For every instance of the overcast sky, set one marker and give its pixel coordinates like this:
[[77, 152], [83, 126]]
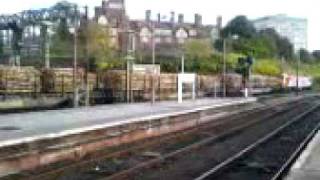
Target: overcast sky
[[208, 8]]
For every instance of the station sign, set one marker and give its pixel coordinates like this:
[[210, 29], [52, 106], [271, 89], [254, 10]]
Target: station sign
[[146, 69]]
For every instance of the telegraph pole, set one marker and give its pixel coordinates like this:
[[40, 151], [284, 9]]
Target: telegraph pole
[[87, 98], [298, 69], [182, 63], [153, 63], [75, 63], [47, 58], [224, 67]]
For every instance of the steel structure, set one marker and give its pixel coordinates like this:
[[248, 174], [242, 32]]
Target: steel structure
[[16, 24]]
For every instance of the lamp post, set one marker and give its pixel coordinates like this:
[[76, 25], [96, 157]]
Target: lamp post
[[87, 98], [234, 37], [46, 35], [75, 59], [297, 71], [129, 59], [182, 63], [153, 99], [224, 67]]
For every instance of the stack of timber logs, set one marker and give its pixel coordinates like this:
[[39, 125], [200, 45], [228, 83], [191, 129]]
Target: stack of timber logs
[[19, 80], [60, 80]]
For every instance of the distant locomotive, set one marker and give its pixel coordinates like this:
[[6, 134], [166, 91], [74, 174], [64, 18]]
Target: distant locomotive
[[292, 82], [258, 84]]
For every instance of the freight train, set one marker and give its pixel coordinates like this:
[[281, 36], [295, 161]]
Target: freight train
[[292, 82], [259, 84]]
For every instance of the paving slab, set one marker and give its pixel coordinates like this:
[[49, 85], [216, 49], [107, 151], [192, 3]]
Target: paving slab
[[28, 127], [307, 167]]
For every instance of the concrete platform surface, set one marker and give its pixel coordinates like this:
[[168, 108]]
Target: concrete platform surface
[[29, 127], [307, 167]]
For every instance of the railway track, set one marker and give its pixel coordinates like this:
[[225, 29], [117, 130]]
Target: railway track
[[157, 168], [270, 157], [205, 134]]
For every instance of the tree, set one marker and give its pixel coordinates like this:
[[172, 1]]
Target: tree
[[1, 47], [305, 56], [100, 47], [239, 26], [250, 42], [257, 46], [63, 30], [198, 49], [316, 54], [62, 40], [283, 47]]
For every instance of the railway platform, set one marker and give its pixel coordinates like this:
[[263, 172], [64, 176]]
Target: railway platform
[[28, 127], [307, 167], [30, 140]]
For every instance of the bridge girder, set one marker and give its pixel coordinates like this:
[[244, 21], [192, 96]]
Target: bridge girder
[[19, 21]]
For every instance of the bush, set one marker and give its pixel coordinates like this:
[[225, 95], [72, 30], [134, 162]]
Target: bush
[[268, 67], [316, 83]]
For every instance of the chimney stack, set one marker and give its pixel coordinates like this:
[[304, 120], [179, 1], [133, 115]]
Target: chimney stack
[[219, 22], [172, 20], [104, 3], [159, 17], [148, 15], [198, 20], [181, 19]]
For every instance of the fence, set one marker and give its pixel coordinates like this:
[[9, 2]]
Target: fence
[[140, 86], [117, 86]]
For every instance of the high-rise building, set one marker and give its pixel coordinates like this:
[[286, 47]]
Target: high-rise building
[[295, 29]]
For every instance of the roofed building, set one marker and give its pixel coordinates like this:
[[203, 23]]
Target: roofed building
[[112, 14], [168, 35]]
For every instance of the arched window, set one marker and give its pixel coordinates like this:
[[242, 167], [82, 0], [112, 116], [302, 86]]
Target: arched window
[[145, 35], [181, 35], [103, 20]]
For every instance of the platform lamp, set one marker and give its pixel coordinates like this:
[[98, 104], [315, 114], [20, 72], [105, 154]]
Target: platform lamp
[[47, 33], [130, 59], [74, 30], [298, 70], [225, 41]]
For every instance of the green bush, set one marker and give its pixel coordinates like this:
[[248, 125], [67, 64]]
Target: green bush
[[316, 83], [268, 67]]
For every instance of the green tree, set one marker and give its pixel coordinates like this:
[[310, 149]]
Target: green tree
[[283, 46], [257, 47], [239, 26], [62, 40], [100, 48], [264, 44], [198, 49], [63, 30], [316, 54], [1, 47], [248, 41], [305, 55]]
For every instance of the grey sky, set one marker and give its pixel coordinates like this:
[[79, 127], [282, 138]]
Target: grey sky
[[208, 8]]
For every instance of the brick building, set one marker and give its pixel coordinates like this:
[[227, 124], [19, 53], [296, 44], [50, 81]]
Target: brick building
[[112, 14], [169, 35]]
